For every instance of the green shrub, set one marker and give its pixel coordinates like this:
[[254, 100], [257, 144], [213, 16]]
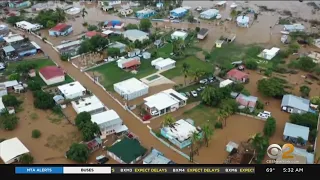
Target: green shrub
[[218, 125], [36, 133], [310, 149]]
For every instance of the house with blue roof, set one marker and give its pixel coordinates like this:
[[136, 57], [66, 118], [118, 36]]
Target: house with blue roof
[[209, 14], [145, 13], [295, 104], [156, 157], [294, 27], [292, 132], [178, 12]]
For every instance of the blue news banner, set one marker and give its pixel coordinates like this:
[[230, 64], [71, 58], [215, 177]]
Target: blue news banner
[[62, 170]]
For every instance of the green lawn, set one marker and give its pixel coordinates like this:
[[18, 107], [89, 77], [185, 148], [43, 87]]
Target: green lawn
[[201, 114], [112, 73], [40, 63], [193, 62], [165, 51]]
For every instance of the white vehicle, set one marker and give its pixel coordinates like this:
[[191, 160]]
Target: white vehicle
[[203, 81], [194, 93], [154, 113], [264, 114]]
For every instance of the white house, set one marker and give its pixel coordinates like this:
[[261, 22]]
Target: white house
[[72, 90], [209, 14], [3, 90], [124, 63], [179, 35], [12, 38], [135, 34], [109, 122], [131, 88], [90, 104], [164, 102], [268, 54], [225, 83], [28, 26], [52, 75], [156, 157], [11, 150], [163, 64]]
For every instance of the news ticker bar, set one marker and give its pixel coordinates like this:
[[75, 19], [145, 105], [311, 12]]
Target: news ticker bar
[[134, 170]]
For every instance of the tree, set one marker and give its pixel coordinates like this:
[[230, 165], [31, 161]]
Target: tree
[[43, 100], [271, 87], [207, 133], [112, 52], [238, 87], [306, 64], [9, 121], [78, 153], [60, 14], [305, 90], [251, 64], [10, 100], [50, 17], [300, 140], [207, 95], [185, 71], [223, 115], [98, 43], [89, 131], [83, 12], [197, 29], [256, 141], [245, 92], [229, 105], [197, 74], [137, 44], [259, 105], [12, 20], [25, 67], [34, 85], [85, 47], [81, 119], [92, 28], [268, 72], [177, 46], [194, 141], [145, 24], [190, 18], [35, 133], [26, 159], [132, 26], [294, 47], [14, 76], [50, 24], [269, 127], [169, 121], [307, 119]]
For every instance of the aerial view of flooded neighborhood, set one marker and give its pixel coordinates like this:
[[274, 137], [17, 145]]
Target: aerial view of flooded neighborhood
[[159, 82]]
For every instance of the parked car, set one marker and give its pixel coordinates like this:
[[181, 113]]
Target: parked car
[[154, 113], [199, 89], [202, 87], [188, 94], [203, 81], [102, 159], [264, 114], [194, 93], [211, 78]]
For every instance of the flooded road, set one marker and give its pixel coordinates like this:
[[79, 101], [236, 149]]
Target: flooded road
[[133, 124]]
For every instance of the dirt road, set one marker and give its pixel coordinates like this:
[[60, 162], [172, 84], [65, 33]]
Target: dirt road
[[132, 123]]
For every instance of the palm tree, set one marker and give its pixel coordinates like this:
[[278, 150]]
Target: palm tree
[[194, 141], [185, 71], [207, 133], [197, 74], [130, 47], [207, 94], [84, 12], [177, 45], [222, 116], [169, 121], [256, 141]]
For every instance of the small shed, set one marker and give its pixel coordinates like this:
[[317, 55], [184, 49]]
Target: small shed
[[8, 50], [59, 99], [219, 43], [179, 35], [18, 88], [32, 73], [292, 132], [158, 43], [146, 55], [225, 83]]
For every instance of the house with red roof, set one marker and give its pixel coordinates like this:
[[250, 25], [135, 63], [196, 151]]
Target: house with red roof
[[130, 63], [60, 29], [52, 75], [237, 75], [90, 34]]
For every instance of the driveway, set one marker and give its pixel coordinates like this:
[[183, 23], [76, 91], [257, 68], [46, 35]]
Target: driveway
[[132, 123]]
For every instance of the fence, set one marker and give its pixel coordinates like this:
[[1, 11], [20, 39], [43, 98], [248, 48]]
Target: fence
[[248, 115], [168, 145]]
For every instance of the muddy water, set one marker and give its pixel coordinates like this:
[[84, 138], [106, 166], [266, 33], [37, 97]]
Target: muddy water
[[133, 124]]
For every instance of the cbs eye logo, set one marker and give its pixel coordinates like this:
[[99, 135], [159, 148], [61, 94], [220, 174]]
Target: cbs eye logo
[[274, 151]]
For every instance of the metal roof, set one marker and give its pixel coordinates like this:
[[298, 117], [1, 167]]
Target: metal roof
[[295, 102], [295, 131]]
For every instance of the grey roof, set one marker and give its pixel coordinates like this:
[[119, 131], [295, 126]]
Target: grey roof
[[156, 157], [303, 152], [203, 31], [8, 49], [234, 94], [294, 130], [294, 27], [135, 33], [295, 102], [118, 45]]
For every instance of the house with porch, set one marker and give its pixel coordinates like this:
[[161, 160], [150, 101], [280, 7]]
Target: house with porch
[[180, 133], [292, 132], [294, 104], [238, 76], [164, 102], [127, 151]]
